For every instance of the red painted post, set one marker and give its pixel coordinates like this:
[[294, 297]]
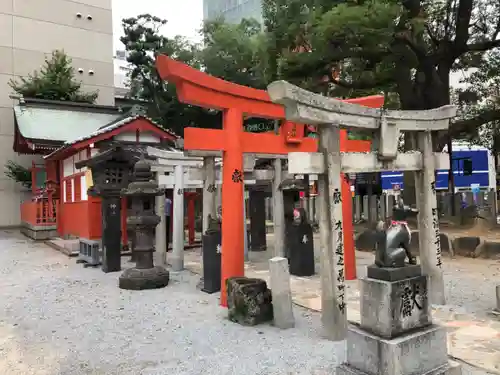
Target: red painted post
[[232, 210], [236, 102]]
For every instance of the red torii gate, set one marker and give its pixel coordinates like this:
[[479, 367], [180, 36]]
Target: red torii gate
[[197, 88]]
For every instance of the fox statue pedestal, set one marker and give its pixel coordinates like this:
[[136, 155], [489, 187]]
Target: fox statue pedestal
[[396, 335]]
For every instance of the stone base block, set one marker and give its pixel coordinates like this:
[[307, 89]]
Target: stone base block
[[142, 279], [389, 309], [452, 368], [421, 352], [393, 274], [39, 233], [249, 301]]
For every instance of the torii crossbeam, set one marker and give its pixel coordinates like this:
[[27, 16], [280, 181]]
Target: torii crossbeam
[[197, 88]]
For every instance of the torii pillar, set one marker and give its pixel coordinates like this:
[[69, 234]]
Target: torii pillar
[[236, 102]]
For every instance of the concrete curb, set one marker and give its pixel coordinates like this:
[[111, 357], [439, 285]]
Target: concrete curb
[[444, 238], [365, 241], [61, 249], [466, 245]]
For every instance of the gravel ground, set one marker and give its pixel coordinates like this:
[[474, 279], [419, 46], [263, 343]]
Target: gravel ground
[[470, 284], [57, 318]]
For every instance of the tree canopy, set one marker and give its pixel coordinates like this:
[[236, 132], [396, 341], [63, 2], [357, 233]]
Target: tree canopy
[[408, 47], [54, 81], [405, 49], [230, 52]]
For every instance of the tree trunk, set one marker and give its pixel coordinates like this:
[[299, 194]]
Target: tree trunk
[[427, 92]]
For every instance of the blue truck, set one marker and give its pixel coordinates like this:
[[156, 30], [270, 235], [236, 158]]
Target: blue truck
[[473, 168]]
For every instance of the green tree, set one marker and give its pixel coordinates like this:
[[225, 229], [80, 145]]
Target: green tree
[[55, 81], [143, 41], [408, 47], [230, 52], [235, 53], [18, 173], [479, 102]]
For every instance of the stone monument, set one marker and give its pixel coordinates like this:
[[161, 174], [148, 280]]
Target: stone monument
[[142, 191], [396, 335]]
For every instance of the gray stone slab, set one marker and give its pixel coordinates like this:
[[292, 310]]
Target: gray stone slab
[[281, 293], [446, 243], [452, 368], [391, 309], [393, 274], [421, 352], [491, 250], [465, 245]]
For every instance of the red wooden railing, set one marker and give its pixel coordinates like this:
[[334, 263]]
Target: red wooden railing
[[40, 213]]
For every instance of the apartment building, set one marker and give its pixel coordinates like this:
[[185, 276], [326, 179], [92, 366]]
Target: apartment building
[[29, 31], [233, 11]]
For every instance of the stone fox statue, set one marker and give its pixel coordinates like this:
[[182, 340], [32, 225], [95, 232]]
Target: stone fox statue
[[393, 243]]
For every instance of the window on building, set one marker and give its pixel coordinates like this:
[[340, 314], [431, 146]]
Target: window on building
[[78, 189], [40, 178], [69, 195], [467, 167]]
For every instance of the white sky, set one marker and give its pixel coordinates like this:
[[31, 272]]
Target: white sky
[[184, 16]]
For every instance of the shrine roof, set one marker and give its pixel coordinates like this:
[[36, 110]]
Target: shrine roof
[[59, 124], [110, 129], [118, 123]]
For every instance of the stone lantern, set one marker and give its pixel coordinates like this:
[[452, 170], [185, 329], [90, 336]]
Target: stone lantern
[[110, 174], [143, 221]]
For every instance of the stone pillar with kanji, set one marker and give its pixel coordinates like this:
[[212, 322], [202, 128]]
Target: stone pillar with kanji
[[142, 191]]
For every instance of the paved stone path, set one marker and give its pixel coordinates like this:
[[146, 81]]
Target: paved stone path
[[473, 334]]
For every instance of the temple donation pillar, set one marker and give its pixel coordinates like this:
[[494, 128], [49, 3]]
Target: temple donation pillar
[[111, 232], [257, 206]]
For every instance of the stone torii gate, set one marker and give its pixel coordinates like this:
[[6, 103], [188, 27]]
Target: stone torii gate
[[184, 172], [236, 101], [331, 115], [168, 162]]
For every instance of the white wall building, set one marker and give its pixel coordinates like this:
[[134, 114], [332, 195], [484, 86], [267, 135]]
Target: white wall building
[[30, 30]]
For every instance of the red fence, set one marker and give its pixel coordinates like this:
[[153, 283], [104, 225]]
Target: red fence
[[40, 213]]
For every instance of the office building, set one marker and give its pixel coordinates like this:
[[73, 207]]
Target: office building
[[233, 11]]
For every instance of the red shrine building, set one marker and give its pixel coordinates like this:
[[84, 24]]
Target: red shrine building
[[58, 135]]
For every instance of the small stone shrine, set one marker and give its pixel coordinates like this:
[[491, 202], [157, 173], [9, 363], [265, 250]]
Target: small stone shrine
[[142, 192], [249, 301]]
